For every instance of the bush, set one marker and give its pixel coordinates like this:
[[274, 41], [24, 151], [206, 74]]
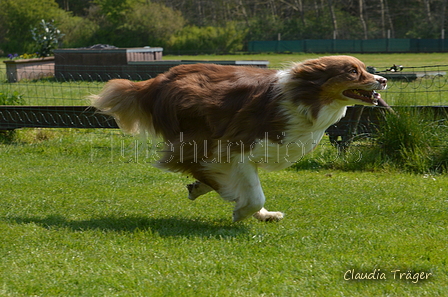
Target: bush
[[133, 23], [47, 37], [150, 24], [413, 140], [226, 39], [18, 16], [79, 32], [410, 140], [11, 99]]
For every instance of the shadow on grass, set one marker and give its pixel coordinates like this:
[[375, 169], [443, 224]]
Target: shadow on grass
[[165, 227]]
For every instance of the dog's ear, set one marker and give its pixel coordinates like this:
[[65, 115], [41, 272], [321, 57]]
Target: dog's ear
[[314, 71]]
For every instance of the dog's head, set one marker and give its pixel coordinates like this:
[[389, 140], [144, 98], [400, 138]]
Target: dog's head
[[342, 78]]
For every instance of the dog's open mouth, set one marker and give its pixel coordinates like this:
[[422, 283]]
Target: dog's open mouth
[[363, 95]]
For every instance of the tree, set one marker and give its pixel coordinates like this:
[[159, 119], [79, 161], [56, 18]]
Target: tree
[[208, 39], [442, 18], [18, 17], [333, 19], [385, 14], [77, 7], [361, 18], [150, 24], [130, 23], [159, 22], [428, 10]]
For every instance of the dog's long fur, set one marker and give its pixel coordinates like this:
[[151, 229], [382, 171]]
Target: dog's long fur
[[223, 122]]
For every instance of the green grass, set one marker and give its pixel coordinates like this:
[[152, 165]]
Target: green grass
[[431, 90], [48, 92], [80, 217], [82, 213]]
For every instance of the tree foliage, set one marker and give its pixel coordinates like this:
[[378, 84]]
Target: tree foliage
[[209, 39], [18, 17], [129, 23], [218, 25], [151, 24]]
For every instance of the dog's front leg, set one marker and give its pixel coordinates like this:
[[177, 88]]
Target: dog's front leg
[[250, 199], [244, 188], [238, 182]]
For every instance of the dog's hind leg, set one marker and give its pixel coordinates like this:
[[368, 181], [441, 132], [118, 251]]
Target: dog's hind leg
[[268, 216], [197, 189]]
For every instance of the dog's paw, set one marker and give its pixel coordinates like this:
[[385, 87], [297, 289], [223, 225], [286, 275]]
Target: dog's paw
[[268, 216], [191, 188], [197, 189]]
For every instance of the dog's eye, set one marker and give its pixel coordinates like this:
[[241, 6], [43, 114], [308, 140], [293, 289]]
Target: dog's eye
[[355, 71]]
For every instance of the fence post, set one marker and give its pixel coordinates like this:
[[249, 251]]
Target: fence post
[[387, 41], [279, 38], [443, 40]]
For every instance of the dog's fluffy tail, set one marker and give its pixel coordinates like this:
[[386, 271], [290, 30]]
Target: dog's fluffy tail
[[123, 99]]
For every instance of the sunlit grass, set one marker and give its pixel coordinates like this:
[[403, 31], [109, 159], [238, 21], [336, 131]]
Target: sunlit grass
[[80, 217], [82, 213], [51, 93]]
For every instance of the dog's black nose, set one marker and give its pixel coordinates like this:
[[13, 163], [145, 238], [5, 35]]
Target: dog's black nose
[[381, 80]]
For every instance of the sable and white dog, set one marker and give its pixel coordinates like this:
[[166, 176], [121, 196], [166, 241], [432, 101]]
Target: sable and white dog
[[224, 122]]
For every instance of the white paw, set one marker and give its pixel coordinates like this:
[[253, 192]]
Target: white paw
[[268, 216]]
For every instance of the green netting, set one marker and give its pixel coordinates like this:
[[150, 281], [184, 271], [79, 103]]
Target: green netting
[[398, 45], [429, 45], [351, 46]]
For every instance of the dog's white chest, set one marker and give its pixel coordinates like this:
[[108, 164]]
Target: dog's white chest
[[302, 137]]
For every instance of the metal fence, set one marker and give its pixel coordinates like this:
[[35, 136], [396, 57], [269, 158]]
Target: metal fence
[[61, 102]]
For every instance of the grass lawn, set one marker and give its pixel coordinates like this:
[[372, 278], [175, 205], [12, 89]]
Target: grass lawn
[[78, 218], [81, 214]]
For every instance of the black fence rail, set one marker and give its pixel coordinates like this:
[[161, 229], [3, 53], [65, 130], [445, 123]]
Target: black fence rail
[[359, 121], [16, 117]]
